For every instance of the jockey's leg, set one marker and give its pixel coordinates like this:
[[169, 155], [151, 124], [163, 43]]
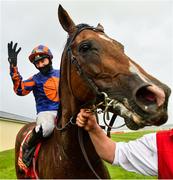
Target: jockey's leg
[[44, 128], [29, 147], [47, 120]]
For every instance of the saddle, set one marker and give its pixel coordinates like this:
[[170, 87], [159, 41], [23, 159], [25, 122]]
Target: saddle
[[30, 171]]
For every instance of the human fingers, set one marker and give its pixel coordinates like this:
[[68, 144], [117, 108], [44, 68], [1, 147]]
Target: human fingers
[[81, 122], [17, 52], [15, 46], [86, 113], [81, 116], [10, 45]]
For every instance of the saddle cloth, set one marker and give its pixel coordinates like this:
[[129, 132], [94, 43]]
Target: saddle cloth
[[30, 172]]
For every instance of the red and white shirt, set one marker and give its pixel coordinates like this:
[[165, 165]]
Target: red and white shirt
[[149, 155]]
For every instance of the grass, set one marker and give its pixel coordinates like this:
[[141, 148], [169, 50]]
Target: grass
[[7, 168], [119, 173], [7, 165]]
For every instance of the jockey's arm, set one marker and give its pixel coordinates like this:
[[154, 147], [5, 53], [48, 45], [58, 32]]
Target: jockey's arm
[[104, 146], [21, 87]]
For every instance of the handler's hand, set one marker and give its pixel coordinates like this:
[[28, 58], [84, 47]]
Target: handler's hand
[[86, 119], [12, 53]]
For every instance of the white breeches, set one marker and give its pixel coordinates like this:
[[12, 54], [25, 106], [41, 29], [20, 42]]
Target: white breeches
[[46, 119]]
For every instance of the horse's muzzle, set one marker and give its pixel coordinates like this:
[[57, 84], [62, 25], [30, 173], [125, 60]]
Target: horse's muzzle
[[147, 106], [151, 102]]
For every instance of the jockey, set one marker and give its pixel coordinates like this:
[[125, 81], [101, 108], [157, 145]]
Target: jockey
[[44, 86], [148, 155]]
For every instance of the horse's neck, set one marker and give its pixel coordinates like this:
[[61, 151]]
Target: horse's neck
[[70, 107], [71, 145]]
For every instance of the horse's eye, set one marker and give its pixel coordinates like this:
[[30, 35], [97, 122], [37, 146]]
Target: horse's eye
[[83, 48]]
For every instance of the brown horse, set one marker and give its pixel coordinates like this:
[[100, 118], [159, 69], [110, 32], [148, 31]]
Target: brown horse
[[95, 70]]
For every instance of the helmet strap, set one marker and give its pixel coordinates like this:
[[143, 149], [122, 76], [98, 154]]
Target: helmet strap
[[46, 69]]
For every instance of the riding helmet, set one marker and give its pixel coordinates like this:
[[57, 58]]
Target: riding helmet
[[39, 53]]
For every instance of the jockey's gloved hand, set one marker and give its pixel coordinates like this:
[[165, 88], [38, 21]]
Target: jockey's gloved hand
[[12, 53]]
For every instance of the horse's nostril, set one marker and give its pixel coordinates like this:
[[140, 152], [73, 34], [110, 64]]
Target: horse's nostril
[[150, 98], [159, 94], [145, 96]]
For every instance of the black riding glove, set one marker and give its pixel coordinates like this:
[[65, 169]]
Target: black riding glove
[[12, 53]]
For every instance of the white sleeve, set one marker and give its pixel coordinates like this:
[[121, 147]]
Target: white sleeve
[[138, 156]]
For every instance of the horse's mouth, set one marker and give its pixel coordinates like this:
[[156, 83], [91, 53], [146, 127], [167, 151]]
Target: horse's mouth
[[134, 121]]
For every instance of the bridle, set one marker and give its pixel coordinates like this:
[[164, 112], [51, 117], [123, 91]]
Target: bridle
[[101, 98], [74, 61]]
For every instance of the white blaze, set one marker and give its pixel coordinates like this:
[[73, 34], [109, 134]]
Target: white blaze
[[160, 95], [133, 69], [105, 38]]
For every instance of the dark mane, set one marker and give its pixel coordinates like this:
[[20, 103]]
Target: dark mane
[[82, 25]]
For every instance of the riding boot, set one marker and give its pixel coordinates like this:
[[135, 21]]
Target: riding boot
[[30, 146]]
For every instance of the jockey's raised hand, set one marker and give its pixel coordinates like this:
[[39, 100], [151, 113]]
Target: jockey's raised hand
[[12, 53]]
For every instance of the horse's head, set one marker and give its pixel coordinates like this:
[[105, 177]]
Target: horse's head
[[94, 65]]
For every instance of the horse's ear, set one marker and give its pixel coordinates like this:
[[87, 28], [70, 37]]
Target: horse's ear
[[100, 27], [65, 20]]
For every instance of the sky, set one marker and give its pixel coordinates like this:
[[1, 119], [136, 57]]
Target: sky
[[144, 27]]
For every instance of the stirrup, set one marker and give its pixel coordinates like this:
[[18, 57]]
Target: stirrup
[[28, 155]]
